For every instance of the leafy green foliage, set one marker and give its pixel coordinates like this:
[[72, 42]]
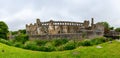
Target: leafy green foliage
[[94, 41], [3, 41], [3, 30], [59, 41], [105, 24], [21, 38], [111, 28], [30, 45], [117, 29], [106, 27], [48, 47], [98, 40], [14, 32], [23, 31], [85, 43], [54, 45], [6, 41], [41, 42], [108, 50], [18, 44], [69, 45]]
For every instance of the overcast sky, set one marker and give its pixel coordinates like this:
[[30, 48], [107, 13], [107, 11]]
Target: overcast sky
[[18, 13]]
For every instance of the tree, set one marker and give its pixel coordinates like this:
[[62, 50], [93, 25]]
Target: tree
[[106, 27], [117, 29], [23, 31], [3, 30], [14, 32], [105, 24], [111, 28], [21, 38]]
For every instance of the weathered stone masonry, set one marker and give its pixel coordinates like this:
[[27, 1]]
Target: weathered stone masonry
[[64, 29]]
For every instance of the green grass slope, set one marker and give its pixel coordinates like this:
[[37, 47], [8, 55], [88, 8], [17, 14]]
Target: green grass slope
[[108, 50]]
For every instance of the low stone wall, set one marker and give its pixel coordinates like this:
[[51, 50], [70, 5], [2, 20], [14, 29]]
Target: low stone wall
[[70, 36], [49, 37]]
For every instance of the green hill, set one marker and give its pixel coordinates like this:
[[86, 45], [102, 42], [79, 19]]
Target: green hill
[[105, 50]]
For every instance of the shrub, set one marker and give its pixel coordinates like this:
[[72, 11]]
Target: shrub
[[90, 42], [21, 38], [55, 44], [68, 46], [18, 44], [85, 43], [47, 48], [3, 41], [59, 41], [42, 48], [6, 42], [109, 39], [97, 40], [60, 48], [79, 43], [30, 45], [41, 42]]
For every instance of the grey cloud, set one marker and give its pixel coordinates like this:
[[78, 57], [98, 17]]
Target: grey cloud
[[17, 13]]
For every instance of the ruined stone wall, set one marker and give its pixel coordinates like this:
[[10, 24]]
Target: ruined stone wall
[[31, 29], [49, 37], [64, 29], [53, 27], [70, 36]]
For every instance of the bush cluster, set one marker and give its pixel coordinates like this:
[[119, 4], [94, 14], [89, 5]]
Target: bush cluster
[[48, 47], [18, 44], [6, 41], [21, 38], [32, 45], [94, 41], [59, 41], [68, 46], [55, 44]]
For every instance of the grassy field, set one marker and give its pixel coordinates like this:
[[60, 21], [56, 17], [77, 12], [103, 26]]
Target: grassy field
[[108, 50]]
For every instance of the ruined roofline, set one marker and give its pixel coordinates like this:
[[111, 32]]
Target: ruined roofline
[[63, 22], [57, 23], [28, 25], [92, 21]]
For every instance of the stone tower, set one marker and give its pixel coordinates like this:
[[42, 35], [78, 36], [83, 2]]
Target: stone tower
[[51, 27], [38, 22], [92, 23], [40, 30], [86, 24]]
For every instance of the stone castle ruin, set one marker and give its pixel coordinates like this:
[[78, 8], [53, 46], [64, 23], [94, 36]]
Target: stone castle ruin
[[64, 29]]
